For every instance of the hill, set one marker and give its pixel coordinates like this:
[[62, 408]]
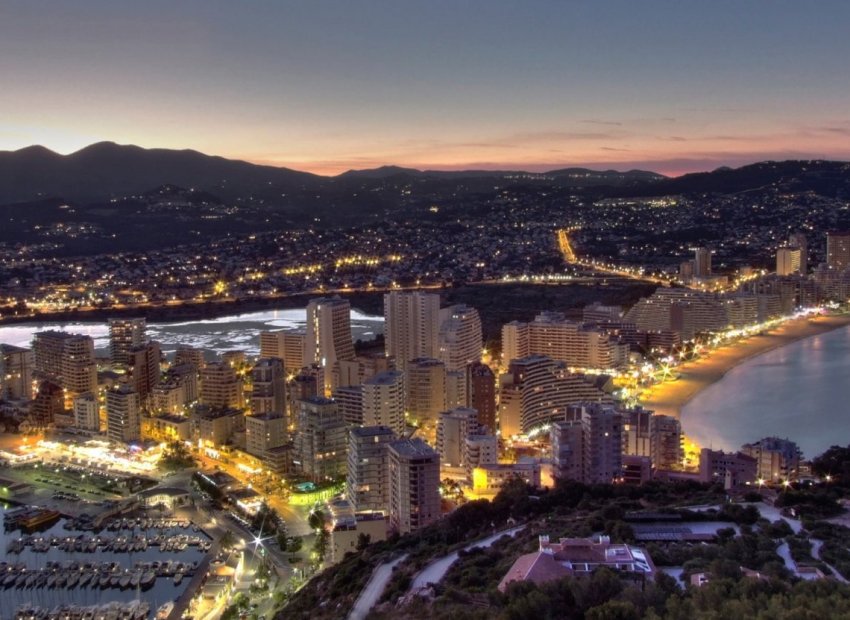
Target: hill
[[106, 170], [828, 178]]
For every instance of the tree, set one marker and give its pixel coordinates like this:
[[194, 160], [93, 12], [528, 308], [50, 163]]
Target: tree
[[294, 545], [613, 610], [227, 540], [363, 540], [316, 520]]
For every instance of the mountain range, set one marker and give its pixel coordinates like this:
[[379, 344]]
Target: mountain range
[[103, 171], [106, 170]]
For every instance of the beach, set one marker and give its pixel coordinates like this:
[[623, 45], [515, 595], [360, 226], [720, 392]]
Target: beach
[[669, 397]]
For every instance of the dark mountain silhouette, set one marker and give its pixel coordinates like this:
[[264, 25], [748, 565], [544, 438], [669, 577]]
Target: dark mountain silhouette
[[107, 170], [104, 170], [578, 177], [829, 178]]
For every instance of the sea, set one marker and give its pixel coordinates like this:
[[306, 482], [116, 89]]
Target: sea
[[239, 332], [800, 391], [163, 590]]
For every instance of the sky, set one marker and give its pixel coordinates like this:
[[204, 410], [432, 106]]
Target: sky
[[326, 86]]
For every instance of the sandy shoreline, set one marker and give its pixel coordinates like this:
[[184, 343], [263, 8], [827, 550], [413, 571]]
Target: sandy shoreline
[[669, 398]]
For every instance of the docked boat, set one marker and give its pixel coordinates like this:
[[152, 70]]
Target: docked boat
[[164, 611]]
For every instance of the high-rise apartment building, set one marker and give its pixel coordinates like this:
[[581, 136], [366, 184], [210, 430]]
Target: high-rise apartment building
[[287, 345], [576, 345], [67, 360], [87, 413], [838, 250], [414, 476], [190, 355], [537, 390], [425, 382], [384, 397], [798, 240], [588, 445], [144, 366], [123, 415], [322, 439], [221, 386], [124, 336], [268, 393], [788, 261], [263, 432], [16, 368], [666, 449], [411, 326], [48, 404], [481, 394], [328, 335], [460, 339], [453, 428], [702, 262], [367, 483], [637, 436]]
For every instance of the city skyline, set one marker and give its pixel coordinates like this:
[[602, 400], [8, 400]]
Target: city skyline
[[329, 87]]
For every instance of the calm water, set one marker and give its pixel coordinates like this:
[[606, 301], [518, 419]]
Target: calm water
[[800, 391], [162, 591], [228, 333]]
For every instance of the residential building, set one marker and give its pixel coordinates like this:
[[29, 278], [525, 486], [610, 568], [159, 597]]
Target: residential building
[[221, 386], [788, 260], [264, 431], [268, 393], [124, 336], [411, 326], [481, 394], [328, 337], [414, 477], [536, 390], [384, 401], [425, 385], [838, 250], [287, 345], [731, 469], [322, 440], [367, 482], [87, 413], [453, 428], [575, 557], [16, 368], [776, 459], [123, 415], [67, 360], [575, 344], [460, 339]]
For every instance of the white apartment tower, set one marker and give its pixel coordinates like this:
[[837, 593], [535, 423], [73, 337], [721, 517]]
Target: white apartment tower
[[384, 400], [460, 338], [123, 416], [328, 336], [411, 326]]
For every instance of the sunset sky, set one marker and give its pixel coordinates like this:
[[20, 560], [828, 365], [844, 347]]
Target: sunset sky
[[326, 86]]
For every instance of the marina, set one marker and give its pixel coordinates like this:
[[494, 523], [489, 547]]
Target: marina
[[127, 568]]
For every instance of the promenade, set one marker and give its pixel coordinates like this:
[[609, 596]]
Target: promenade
[[669, 397]]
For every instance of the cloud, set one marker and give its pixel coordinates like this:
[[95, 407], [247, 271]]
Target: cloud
[[593, 121]]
